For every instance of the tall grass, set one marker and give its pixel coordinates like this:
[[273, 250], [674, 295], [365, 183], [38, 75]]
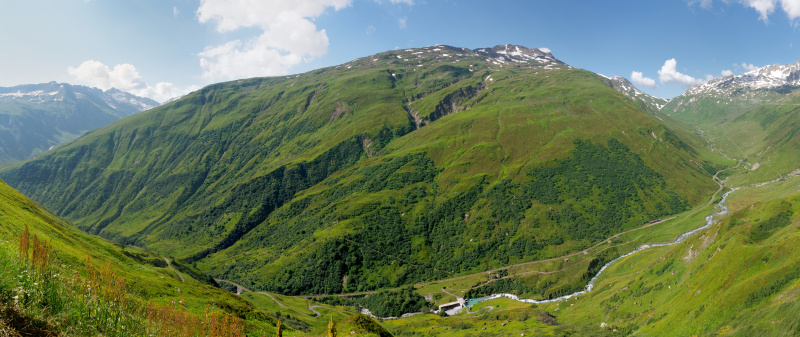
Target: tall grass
[[57, 299]]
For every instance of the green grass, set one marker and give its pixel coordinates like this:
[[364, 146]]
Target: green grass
[[274, 177], [718, 281]]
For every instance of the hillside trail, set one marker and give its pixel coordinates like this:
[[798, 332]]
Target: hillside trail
[[239, 288], [169, 265], [744, 155], [311, 307]]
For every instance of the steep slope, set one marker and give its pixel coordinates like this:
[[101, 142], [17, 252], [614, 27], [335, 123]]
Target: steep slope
[[406, 165], [147, 277], [36, 117], [645, 101]]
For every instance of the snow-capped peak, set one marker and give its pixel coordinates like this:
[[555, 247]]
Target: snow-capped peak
[[627, 88], [768, 77], [514, 53]]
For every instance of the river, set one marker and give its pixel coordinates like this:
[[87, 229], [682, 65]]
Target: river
[[710, 220]]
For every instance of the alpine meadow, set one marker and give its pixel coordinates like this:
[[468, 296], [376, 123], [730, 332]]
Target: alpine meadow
[[438, 190]]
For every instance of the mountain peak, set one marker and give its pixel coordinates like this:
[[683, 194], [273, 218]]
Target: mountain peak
[[775, 77], [624, 86], [516, 53]]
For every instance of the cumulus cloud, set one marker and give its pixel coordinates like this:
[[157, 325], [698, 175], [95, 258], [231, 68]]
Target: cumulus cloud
[[727, 72], [123, 77], [638, 79], [748, 66], [703, 3], [670, 74], [765, 8], [288, 36], [401, 22]]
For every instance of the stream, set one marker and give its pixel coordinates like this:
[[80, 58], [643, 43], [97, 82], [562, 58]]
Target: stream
[[710, 220]]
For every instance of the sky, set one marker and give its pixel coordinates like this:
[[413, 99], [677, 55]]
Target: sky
[[166, 48]]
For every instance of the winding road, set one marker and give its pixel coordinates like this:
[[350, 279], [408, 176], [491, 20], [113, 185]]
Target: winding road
[[169, 265]]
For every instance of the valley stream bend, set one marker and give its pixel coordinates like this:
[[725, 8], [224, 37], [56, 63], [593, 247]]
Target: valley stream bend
[[710, 220]]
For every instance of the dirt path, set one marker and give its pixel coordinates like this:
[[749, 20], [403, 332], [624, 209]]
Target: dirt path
[[274, 299], [310, 307], [173, 269], [744, 155], [239, 288]]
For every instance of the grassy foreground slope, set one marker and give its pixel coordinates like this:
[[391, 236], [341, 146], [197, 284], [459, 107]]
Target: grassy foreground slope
[[403, 166], [147, 278], [123, 291]]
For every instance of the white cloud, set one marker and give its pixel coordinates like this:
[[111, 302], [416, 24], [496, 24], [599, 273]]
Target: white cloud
[[288, 36], [401, 22], [638, 79], [765, 8], [669, 74], [175, 11], [371, 29], [545, 50], [727, 72], [407, 2], [703, 3], [123, 77], [748, 67]]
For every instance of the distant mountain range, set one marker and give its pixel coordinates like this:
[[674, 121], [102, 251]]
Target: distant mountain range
[[37, 117]]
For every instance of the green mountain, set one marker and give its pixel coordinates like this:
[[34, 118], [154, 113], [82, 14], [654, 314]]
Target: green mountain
[[404, 166], [37, 117], [753, 116]]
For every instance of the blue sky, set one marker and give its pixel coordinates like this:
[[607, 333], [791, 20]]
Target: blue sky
[[160, 48]]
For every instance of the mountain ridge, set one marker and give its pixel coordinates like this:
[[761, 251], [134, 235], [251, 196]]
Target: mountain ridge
[[37, 117]]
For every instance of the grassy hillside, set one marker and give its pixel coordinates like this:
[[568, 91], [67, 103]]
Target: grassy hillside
[[86, 286], [738, 278], [404, 166], [503, 182]]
